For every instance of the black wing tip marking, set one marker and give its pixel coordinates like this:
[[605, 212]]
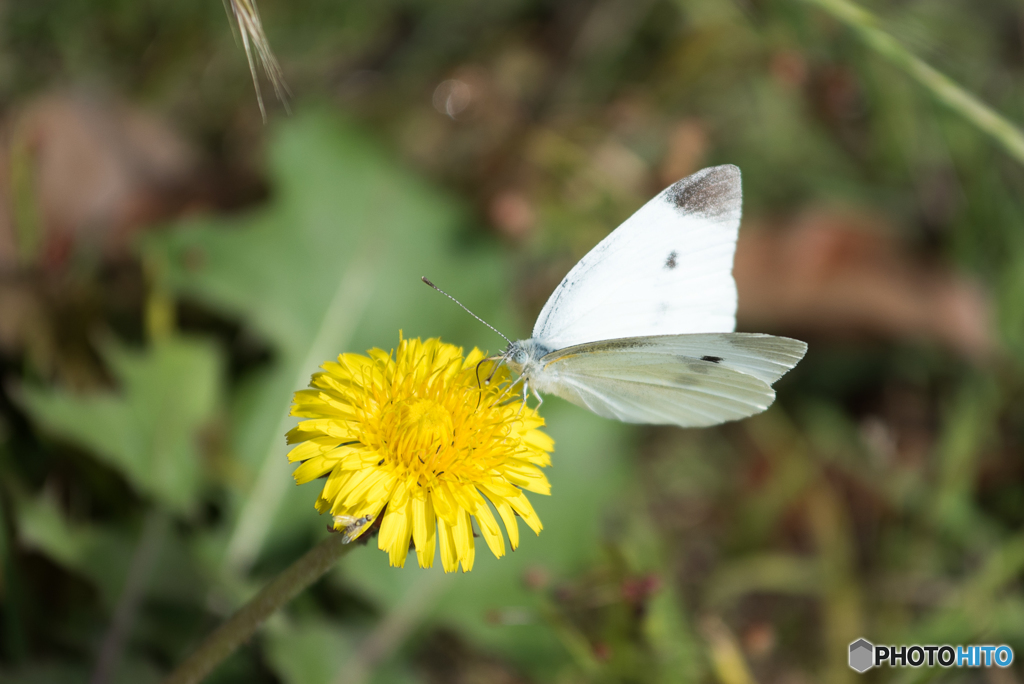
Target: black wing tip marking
[[712, 359], [715, 192]]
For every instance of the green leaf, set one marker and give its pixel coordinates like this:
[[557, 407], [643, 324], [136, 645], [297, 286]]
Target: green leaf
[[149, 430], [93, 552], [103, 554]]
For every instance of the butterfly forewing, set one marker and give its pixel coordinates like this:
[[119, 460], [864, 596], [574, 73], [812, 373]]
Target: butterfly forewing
[[666, 270], [687, 380]]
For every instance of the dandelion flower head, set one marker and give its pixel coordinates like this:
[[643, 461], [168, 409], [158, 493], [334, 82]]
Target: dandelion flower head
[[413, 435]]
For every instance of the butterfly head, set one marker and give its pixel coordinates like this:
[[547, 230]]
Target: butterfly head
[[522, 355]]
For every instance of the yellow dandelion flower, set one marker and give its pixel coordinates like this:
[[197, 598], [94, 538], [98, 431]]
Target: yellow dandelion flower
[[414, 435]]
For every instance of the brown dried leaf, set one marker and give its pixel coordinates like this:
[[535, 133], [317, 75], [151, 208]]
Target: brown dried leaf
[[93, 171], [841, 274]]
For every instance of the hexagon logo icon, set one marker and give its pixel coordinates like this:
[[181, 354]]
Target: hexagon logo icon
[[862, 654]]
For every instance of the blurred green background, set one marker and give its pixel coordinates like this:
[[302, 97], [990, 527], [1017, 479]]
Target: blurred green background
[[172, 269]]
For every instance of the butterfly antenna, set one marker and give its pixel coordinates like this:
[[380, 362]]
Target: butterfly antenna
[[465, 309]]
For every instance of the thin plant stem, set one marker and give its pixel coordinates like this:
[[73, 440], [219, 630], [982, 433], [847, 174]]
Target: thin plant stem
[[153, 532], [159, 327], [337, 325], [726, 655], [944, 89], [244, 623]]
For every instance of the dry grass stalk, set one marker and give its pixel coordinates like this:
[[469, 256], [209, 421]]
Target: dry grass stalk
[[254, 40]]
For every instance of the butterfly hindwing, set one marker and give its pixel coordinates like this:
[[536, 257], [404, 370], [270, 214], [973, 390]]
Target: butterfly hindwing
[[686, 380]]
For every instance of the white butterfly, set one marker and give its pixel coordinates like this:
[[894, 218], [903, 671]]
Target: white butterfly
[[641, 329]]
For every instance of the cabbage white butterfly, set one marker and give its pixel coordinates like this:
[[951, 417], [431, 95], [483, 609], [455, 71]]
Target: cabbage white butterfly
[[641, 329]]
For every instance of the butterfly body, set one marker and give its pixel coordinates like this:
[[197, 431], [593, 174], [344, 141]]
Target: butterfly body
[[641, 329]]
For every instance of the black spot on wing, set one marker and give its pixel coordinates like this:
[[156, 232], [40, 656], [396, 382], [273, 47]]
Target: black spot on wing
[[712, 359], [713, 193], [670, 262]]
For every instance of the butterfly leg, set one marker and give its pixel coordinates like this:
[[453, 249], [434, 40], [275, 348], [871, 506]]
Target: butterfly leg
[[540, 399], [506, 391], [526, 390]]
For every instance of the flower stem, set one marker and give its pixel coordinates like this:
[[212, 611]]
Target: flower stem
[[240, 626], [943, 88]]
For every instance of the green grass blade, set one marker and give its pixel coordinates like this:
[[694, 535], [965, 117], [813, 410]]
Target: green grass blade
[[944, 89]]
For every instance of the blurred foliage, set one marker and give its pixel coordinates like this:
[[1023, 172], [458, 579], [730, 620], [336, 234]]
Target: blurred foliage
[[488, 146], [151, 434]]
